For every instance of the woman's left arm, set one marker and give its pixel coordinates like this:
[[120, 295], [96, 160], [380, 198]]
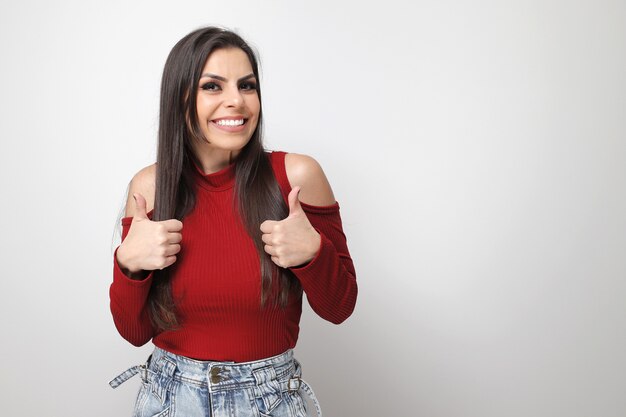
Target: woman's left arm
[[329, 279], [328, 276]]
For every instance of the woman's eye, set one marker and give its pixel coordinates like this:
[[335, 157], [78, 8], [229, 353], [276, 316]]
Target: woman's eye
[[210, 86], [247, 86]]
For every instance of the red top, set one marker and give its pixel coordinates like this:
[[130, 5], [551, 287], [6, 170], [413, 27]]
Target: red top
[[216, 281]]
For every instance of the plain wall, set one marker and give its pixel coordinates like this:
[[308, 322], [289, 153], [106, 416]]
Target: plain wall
[[477, 150]]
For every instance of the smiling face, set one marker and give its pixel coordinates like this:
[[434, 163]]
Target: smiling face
[[227, 103]]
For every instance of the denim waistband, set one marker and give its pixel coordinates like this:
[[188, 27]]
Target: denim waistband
[[269, 376], [218, 376]]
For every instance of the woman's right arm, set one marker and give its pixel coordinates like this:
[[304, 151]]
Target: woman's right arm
[[129, 305], [130, 287]]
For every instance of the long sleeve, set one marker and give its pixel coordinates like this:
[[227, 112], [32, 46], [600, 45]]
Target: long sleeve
[[129, 297], [329, 279]]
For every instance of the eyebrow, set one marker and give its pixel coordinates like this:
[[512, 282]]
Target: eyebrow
[[218, 77]]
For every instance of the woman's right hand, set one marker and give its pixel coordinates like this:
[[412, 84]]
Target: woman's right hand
[[149, 245]]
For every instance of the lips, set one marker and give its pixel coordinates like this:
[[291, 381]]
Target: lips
[[238, 117], [230, 123]]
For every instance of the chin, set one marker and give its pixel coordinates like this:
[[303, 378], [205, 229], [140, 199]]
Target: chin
[[230, 146]]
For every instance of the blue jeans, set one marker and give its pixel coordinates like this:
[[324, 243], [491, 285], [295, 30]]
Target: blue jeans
[[174, 385]]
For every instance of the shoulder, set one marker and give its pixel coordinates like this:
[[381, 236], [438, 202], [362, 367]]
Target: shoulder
[[144, 183], [306, 172]]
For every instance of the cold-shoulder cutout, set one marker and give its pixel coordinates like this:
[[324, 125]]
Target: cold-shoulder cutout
[[308, 174], [143, 183]]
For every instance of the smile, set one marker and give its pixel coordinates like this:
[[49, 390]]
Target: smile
[[230, 125], [228, 122]]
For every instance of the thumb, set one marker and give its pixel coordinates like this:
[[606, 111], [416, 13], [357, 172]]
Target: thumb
[[140, 207], [294, 202]]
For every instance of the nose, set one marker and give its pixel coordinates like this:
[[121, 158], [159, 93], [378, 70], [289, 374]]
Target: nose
[[233, 97]]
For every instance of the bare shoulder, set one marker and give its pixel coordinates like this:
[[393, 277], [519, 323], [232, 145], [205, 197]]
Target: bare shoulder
[[306, 172], [143, 183]]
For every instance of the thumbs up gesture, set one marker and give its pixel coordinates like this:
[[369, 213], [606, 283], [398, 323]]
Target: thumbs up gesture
[[292, 241], [149, 245]]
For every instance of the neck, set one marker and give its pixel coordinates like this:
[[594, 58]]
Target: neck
[[213, 160]]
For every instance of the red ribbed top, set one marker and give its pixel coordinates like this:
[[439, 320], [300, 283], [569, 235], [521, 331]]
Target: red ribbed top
[[216, 280]]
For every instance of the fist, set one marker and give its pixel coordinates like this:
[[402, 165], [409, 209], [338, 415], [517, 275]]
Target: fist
[[149, 245], [292, 241]]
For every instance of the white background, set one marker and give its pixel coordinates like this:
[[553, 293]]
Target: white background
[[477, 150]]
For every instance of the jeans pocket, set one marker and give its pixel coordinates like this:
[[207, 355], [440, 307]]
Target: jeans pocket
[[291, 404], [142, 397], [297, 404], [153, 400], [156, 394], [265, 404]]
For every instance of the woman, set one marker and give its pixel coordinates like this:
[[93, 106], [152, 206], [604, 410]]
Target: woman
[[221, 297]]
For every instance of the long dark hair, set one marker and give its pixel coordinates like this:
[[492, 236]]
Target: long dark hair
[[257, 195]]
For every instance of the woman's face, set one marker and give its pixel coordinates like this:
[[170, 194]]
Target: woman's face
[[227, 102]]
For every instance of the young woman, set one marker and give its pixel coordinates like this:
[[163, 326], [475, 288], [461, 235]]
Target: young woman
[[220, 240]]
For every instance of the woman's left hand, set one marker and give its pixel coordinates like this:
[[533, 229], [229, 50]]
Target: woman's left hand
[[292, 241]]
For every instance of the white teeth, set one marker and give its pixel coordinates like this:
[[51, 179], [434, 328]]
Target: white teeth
[[225, 122]]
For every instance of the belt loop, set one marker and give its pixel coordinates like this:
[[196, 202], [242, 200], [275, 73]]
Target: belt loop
[[144, 369], [125, 376], [265, 378]]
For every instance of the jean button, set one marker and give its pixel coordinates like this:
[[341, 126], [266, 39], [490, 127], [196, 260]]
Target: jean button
[[215, 375]]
